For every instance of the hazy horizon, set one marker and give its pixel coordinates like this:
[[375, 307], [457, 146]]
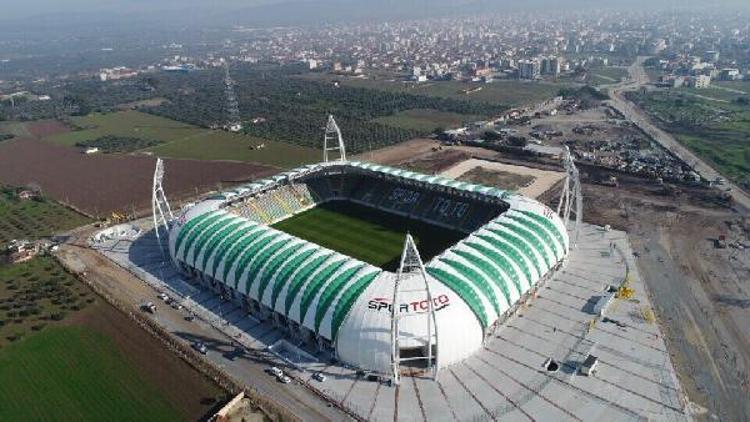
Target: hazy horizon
[[331, 10]]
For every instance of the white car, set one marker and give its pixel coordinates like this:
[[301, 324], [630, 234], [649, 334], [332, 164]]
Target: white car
[[284, 379], [200, 347], [318, 376], [276, 371], [163, 296]]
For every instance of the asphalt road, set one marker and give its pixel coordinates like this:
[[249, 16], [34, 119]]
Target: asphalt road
[[631, 112], [246, 366]]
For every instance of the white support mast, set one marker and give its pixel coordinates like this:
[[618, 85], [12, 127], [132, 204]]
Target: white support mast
[[332, 140], [162, 212], [571, 194], [412, 266]]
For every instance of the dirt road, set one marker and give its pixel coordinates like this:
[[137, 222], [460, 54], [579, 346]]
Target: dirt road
[[701, 294], [633, 113]]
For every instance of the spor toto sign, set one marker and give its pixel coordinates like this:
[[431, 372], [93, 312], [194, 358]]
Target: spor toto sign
[[383, 304]]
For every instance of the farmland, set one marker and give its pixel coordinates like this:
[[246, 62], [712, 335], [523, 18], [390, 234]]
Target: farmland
[[606, 75], [364, 233], [31, 219], [35, 294], [717, 129], [78, 358], [100, 184], [281, 103], [503, 93], [426, 120], [182, 140]]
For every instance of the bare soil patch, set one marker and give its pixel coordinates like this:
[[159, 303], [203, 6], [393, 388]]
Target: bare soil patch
[[100, 184], [397, 154], [437, 162], [503, 179], [42, 128]]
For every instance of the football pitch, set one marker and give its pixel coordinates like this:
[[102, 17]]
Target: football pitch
[[367, 234]]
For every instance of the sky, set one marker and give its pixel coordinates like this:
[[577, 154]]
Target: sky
[[295, 9]]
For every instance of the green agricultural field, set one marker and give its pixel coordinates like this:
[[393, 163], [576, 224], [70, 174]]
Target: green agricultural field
[[512, 93], [72, 373], [32, 219], [607, 75], [34, 294], [220, 145], [426, 120], [370, 235], [718, 131], [182, 140]]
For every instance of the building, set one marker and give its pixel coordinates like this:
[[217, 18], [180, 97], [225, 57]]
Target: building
[[551, 66], [701, 81], [528, 69], [116, 73], [340, 305], [711, 56], [729, 74], [21, 251]]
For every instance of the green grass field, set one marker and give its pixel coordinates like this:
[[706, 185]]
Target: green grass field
[[607, 75], [513, 93], [181, 140], [718, 131], [35, 218], [71, 373], [370, 235], [426, 120]]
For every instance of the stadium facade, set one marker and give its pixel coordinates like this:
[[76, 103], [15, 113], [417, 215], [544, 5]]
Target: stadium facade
[[339, 304]]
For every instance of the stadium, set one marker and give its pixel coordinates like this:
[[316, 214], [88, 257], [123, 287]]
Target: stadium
[[317, 250]]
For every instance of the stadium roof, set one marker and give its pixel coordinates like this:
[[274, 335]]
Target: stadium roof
[[328, 292], [260, 262]]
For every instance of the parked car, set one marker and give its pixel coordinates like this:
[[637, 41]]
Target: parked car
[[149, 307], [163, 296], [318, 376], [275, 371], [200, 347], [284, 379]]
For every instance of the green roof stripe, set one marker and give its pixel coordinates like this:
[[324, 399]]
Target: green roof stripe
[[300, 278], [250, 253], [229, 244], [198, 229], [500, 260], [258, 263], [273, 266], [509, 243], [539, 230], [528, 236], [345, 303], [329, 293], [546, 222], [209, 247], [477, 279], [202, 235], [488, 269], [187, 228], [463, 290], [525, 237], [233, 254], [315, 286], [286, 271]]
